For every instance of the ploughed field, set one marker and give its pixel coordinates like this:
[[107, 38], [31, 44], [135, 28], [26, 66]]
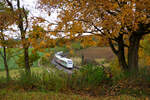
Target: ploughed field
[[96, 53]]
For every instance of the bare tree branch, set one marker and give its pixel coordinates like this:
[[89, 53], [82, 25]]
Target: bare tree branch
[[10, 4], [72, 31], [26, 19]]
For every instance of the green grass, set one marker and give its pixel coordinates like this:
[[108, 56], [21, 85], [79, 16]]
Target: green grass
[[11, 63], [16, 72], [12, 53]]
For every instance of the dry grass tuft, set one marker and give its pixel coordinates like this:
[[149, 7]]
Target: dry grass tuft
[[77, 60]]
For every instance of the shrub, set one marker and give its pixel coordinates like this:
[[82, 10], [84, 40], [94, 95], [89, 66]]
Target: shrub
[[44, 81], [88, 77], [29, 81], [116, 70], [44, 61], [54, 80]]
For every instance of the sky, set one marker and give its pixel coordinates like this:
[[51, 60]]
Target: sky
[[32, 6]]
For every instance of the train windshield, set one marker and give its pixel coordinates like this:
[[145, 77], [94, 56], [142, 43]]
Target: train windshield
[[69, 62]]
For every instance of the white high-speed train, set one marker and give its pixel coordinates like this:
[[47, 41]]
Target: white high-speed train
[[60, 59]]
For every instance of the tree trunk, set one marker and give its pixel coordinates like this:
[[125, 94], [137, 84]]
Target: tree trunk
[[26, 58], [5, 63], [23, 35], [4, 56], [122, 61], [133, 52], [83, 61], [26, 53], [121, 54]]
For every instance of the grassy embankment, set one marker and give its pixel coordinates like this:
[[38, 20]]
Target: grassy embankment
[[89, 83]]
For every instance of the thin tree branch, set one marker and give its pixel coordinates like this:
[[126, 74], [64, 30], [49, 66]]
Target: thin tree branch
[[73, 31], [10, 4], [92, 24]]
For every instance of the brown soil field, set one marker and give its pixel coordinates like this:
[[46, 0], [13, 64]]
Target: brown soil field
[[96, 52]]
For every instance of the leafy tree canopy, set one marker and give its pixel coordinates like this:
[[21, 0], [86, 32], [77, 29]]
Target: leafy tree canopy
[[122, 23]]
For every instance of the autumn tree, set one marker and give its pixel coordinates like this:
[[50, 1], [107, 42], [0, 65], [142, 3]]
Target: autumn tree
[[6, 20], [39, 38], [122, 23], [22, 23]]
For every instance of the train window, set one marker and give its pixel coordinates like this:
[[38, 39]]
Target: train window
[[63, 62], [63, 55], [70, 62]]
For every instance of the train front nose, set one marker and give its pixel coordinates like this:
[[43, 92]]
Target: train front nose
[[70, 64]]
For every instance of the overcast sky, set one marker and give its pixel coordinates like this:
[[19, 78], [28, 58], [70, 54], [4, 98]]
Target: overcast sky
[[31, 5]]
